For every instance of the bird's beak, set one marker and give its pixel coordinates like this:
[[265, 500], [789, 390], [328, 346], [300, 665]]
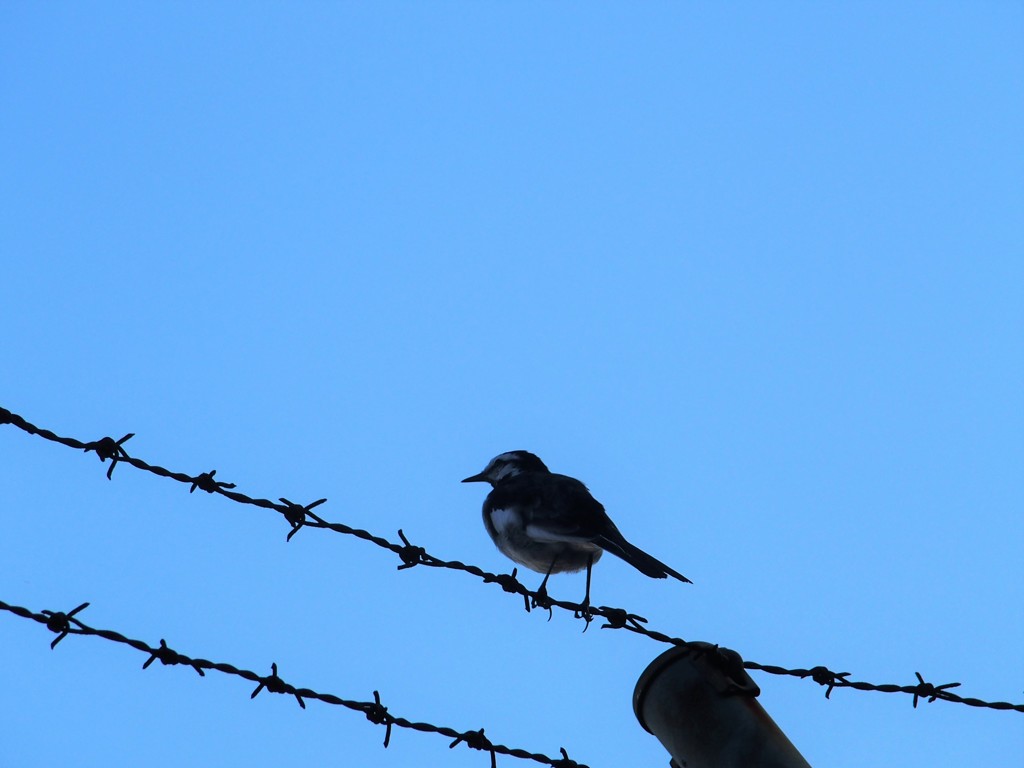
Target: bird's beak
[[476, 479]]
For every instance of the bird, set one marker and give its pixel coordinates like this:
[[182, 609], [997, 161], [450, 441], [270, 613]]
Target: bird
[[550, 523]]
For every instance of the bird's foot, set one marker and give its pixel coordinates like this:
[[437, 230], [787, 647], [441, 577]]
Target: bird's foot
[[541, 599], [585, 612]]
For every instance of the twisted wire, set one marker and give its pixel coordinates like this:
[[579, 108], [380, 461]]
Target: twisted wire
[[302, 516], [65, 624]]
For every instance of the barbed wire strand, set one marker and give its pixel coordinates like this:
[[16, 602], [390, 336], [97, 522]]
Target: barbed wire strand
[[299, 516], [64, 624]]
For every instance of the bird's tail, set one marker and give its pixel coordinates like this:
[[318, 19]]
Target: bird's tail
[[646, 564]]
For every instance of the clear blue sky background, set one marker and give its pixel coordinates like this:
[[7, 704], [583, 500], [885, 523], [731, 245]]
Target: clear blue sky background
[[753, 273]]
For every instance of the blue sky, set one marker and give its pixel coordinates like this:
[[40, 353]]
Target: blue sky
[[751, 272]]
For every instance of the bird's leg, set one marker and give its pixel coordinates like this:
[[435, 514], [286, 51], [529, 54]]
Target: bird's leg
[[543, 590], [541, 599], [584, 611]]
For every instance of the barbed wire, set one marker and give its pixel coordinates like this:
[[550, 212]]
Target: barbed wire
[[299, 516], [64, 624]]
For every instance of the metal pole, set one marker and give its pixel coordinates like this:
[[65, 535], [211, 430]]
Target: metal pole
[[700, 703]]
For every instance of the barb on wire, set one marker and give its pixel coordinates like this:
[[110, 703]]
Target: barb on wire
[[296, 515], [411, 555], [169, 657], [375, 712], [109, 448], [205, 482], [60, 622], [476, 740]]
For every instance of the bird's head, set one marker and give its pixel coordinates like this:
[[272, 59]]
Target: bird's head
[[508, 465]]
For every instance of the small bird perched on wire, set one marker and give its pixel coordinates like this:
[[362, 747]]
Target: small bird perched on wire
[[550, 523]]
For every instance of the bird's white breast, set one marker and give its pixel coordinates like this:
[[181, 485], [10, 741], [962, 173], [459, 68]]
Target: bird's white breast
[[504, 519]]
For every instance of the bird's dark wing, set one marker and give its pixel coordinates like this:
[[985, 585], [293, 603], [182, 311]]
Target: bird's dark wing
[[565, 508], [590, 522]]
